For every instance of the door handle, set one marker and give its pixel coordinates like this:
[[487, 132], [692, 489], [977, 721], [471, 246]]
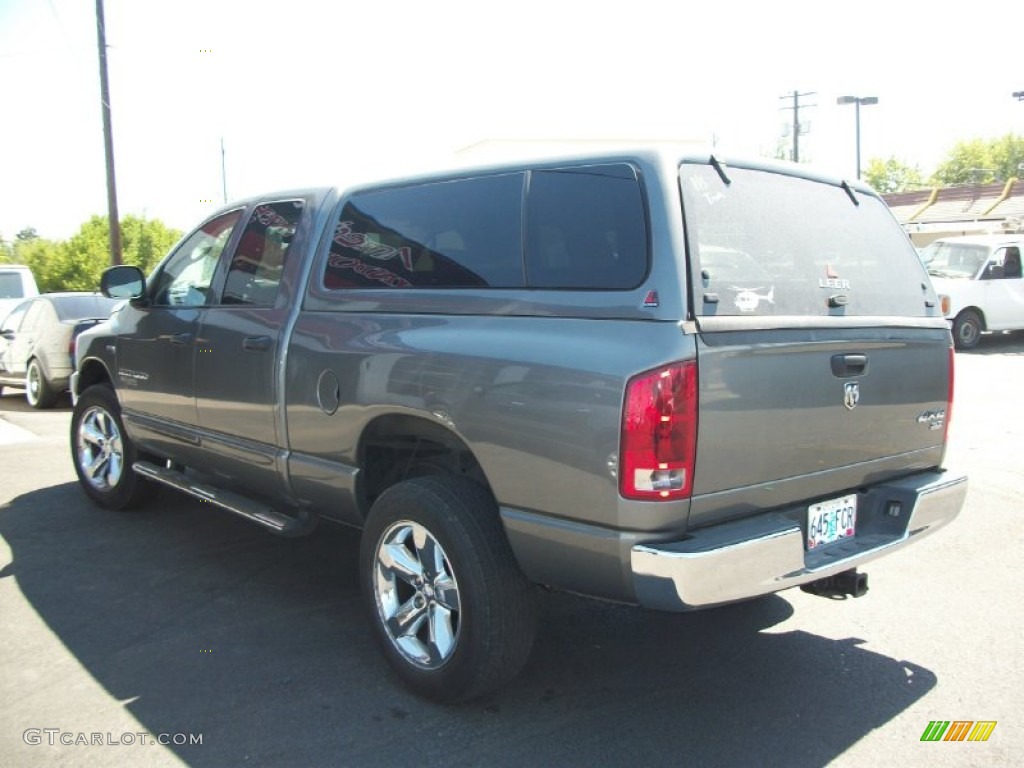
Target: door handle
[[181, 338], [845, 366], [256, 343]]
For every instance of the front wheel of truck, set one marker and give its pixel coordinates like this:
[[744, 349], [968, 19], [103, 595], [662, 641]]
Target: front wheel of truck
[[967, 329], [451, 611], [103, 454]]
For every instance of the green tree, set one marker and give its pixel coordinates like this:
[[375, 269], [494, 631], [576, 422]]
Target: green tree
[[1007, 156], [145, 241], [77, 263], [82, 259], [891, 175], [41, 256], [981, 161]]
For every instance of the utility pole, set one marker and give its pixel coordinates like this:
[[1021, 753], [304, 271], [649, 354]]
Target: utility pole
[[108, 140], [797, 127]]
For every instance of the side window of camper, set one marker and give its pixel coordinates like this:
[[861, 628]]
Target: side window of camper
[[451, 234], [586, 228]]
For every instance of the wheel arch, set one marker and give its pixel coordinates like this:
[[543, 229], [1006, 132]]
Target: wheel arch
[[976, 310], [36, 355], [396, 447], [91, 372]]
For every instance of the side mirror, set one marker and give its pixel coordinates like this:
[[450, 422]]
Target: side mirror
[[123, 282]]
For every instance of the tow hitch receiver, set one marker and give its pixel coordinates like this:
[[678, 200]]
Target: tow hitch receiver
[[839, 586]]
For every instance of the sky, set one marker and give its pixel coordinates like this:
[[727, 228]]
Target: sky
[[310, 92]]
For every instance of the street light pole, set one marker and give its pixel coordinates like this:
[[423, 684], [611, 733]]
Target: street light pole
[[857, 101]]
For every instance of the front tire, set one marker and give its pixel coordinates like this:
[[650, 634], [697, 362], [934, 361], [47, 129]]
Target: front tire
[[967, 329], [38, 391], [451, 611], [103, 454]]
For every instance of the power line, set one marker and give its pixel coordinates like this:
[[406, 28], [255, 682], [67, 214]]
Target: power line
[[60, 25]]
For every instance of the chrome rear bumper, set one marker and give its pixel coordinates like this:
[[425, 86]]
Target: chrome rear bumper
[[756, 556]]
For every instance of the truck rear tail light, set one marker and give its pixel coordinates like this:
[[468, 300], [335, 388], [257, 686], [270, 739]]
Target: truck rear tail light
[[659, 434]]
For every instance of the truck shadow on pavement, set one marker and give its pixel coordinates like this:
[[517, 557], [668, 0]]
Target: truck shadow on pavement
[[202, 623]]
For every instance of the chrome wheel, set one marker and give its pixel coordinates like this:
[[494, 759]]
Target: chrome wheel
[[451, 611], [417, 595], [100, 450], [33, 384]]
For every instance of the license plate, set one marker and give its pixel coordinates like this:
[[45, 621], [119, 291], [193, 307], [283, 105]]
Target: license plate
[[830, 521]]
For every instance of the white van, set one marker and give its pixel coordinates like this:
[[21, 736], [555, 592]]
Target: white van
[[979, 282], [16, 283]]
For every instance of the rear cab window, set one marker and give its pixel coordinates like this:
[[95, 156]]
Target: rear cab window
[[258, 261], [768, 244]]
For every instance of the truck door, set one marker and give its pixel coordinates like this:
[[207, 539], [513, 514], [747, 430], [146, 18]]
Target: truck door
[[156, 341], [237, 348], [1004, 295]]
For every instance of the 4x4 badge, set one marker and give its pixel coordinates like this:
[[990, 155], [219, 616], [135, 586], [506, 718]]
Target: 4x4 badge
[[851, 394]]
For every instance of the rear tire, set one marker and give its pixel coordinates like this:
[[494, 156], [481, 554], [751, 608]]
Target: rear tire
[[967, 329], [38, 391], [451, 611], [103, 454]]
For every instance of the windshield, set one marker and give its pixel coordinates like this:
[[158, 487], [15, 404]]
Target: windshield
[[957, 260]]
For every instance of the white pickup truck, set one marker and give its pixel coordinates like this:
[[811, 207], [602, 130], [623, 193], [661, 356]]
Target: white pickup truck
[[16, 284], [979, 282]]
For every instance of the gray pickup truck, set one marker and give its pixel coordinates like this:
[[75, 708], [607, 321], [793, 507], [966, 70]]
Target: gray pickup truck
[[672, 382]]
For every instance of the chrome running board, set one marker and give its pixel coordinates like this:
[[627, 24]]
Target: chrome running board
[[261, 514]]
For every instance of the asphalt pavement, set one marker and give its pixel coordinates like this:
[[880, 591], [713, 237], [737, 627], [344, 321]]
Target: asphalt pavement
[[182, 624]]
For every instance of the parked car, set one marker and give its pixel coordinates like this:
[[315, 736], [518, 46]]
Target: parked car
[[37, 342], [979, 282], [659, 380], [17, 283]]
